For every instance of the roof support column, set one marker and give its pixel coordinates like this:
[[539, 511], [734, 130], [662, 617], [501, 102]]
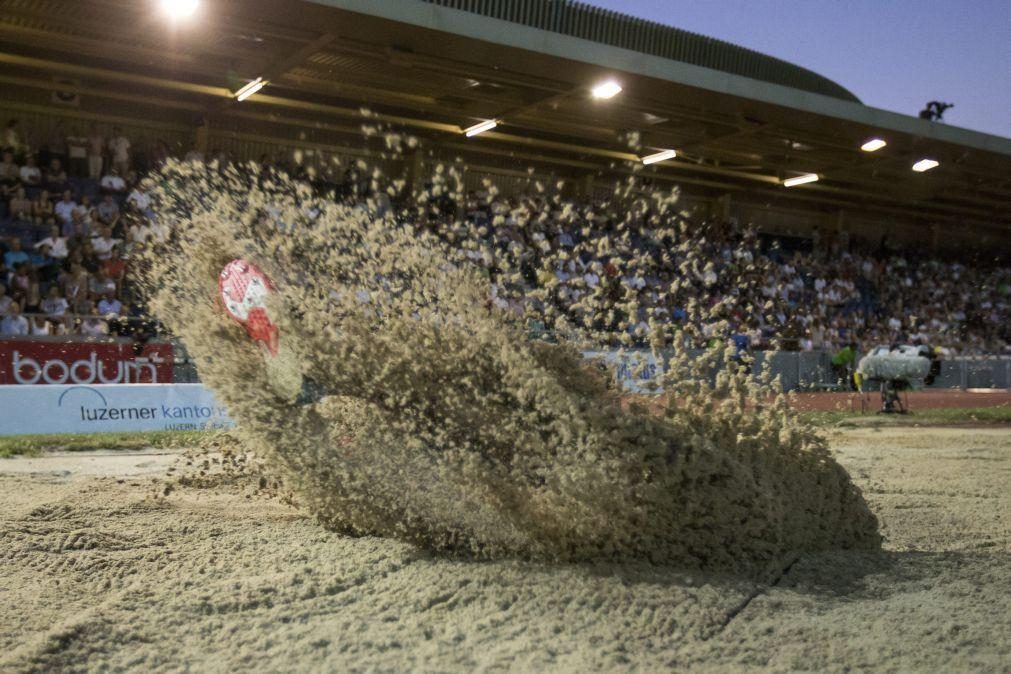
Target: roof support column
[[720, 208], [201, 136]]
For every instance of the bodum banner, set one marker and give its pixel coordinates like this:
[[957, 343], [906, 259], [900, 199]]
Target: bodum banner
[[24, 361], [113, 408]]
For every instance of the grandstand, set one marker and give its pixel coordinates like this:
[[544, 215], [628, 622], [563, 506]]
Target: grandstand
[[108, 88]]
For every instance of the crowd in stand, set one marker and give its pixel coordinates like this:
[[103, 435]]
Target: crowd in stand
[[72, 216], [819, 295], [70, 229]]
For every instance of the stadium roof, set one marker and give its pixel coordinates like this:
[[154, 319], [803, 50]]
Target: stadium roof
[[436, 70]]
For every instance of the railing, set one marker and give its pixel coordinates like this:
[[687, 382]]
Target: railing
[[584, 21]]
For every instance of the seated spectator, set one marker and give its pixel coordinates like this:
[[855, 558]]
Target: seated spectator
[[20, 204], [88, 259], [113, 183], [108, 210], [141, 231], [64, 208], [14, 324], [104, 243], [109, 306], [115, 266], [140, 199], [78, 228], [100, 284], [91, 325], [55, 178], [9, 173], [5, 299], [25, 287], [76, 284], [30, 173], [41, 260], [86, 210], [43, 207], [15, 256], [54, 304], [39, 327]]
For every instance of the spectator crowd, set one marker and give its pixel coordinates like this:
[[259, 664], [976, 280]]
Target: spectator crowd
[[73, 218]]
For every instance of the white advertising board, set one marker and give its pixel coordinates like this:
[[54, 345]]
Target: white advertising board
[[636, 371], [113, 408]]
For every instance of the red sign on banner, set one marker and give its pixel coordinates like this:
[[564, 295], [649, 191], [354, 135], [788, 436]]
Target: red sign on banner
[[24, 361]]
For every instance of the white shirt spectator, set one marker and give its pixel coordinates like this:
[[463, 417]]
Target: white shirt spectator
[[57, 246], [31, 175], [113, 182], [140, 232], [65, 209], [54, 306], [42, 328], [140, 199], [103, 246], [120, 149], [94, 327]]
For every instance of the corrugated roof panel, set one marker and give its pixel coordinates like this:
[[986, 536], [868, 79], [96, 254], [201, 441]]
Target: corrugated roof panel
[[581, 20]]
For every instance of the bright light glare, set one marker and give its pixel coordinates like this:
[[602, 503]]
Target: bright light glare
[[179, 9], [925, 165], [659, 156], [608, 89], [800, 180], [481, 128], [873, 145], [250, 89]]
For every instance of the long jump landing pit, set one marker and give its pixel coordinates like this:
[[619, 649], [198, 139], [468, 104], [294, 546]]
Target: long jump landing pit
[[96, 574]]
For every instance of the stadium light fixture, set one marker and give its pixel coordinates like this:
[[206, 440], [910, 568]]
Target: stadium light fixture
[[925, 165], [605, 90], [481, 128], [800, 180], [250, 88], [180, 9], [659, 156], [873, 145]]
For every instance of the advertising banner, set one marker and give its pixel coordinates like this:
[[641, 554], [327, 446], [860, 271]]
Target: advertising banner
[[114, 408], [635, 370], [53, 362]]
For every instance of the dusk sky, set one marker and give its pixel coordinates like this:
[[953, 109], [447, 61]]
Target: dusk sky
[[892, 54]]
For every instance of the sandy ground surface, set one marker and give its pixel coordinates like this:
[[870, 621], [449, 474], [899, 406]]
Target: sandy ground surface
[[96, 574], [932, 399]]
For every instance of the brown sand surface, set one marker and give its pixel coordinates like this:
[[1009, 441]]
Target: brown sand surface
[[932, 399], [95, 574]]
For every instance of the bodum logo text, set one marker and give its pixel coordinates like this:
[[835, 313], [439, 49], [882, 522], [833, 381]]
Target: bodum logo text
[[91, 370]]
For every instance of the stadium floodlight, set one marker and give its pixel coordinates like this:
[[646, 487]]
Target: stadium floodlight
[[873, 145], [481, 128], [250, 88], [659, 156], [925, 165], [608, 89], [179, 9], [800, 180]]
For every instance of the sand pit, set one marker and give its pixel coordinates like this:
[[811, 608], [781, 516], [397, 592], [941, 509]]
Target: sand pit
[[98, 575]]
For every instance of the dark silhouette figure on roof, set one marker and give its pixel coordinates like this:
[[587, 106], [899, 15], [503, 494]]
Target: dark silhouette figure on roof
[[934, 111]]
